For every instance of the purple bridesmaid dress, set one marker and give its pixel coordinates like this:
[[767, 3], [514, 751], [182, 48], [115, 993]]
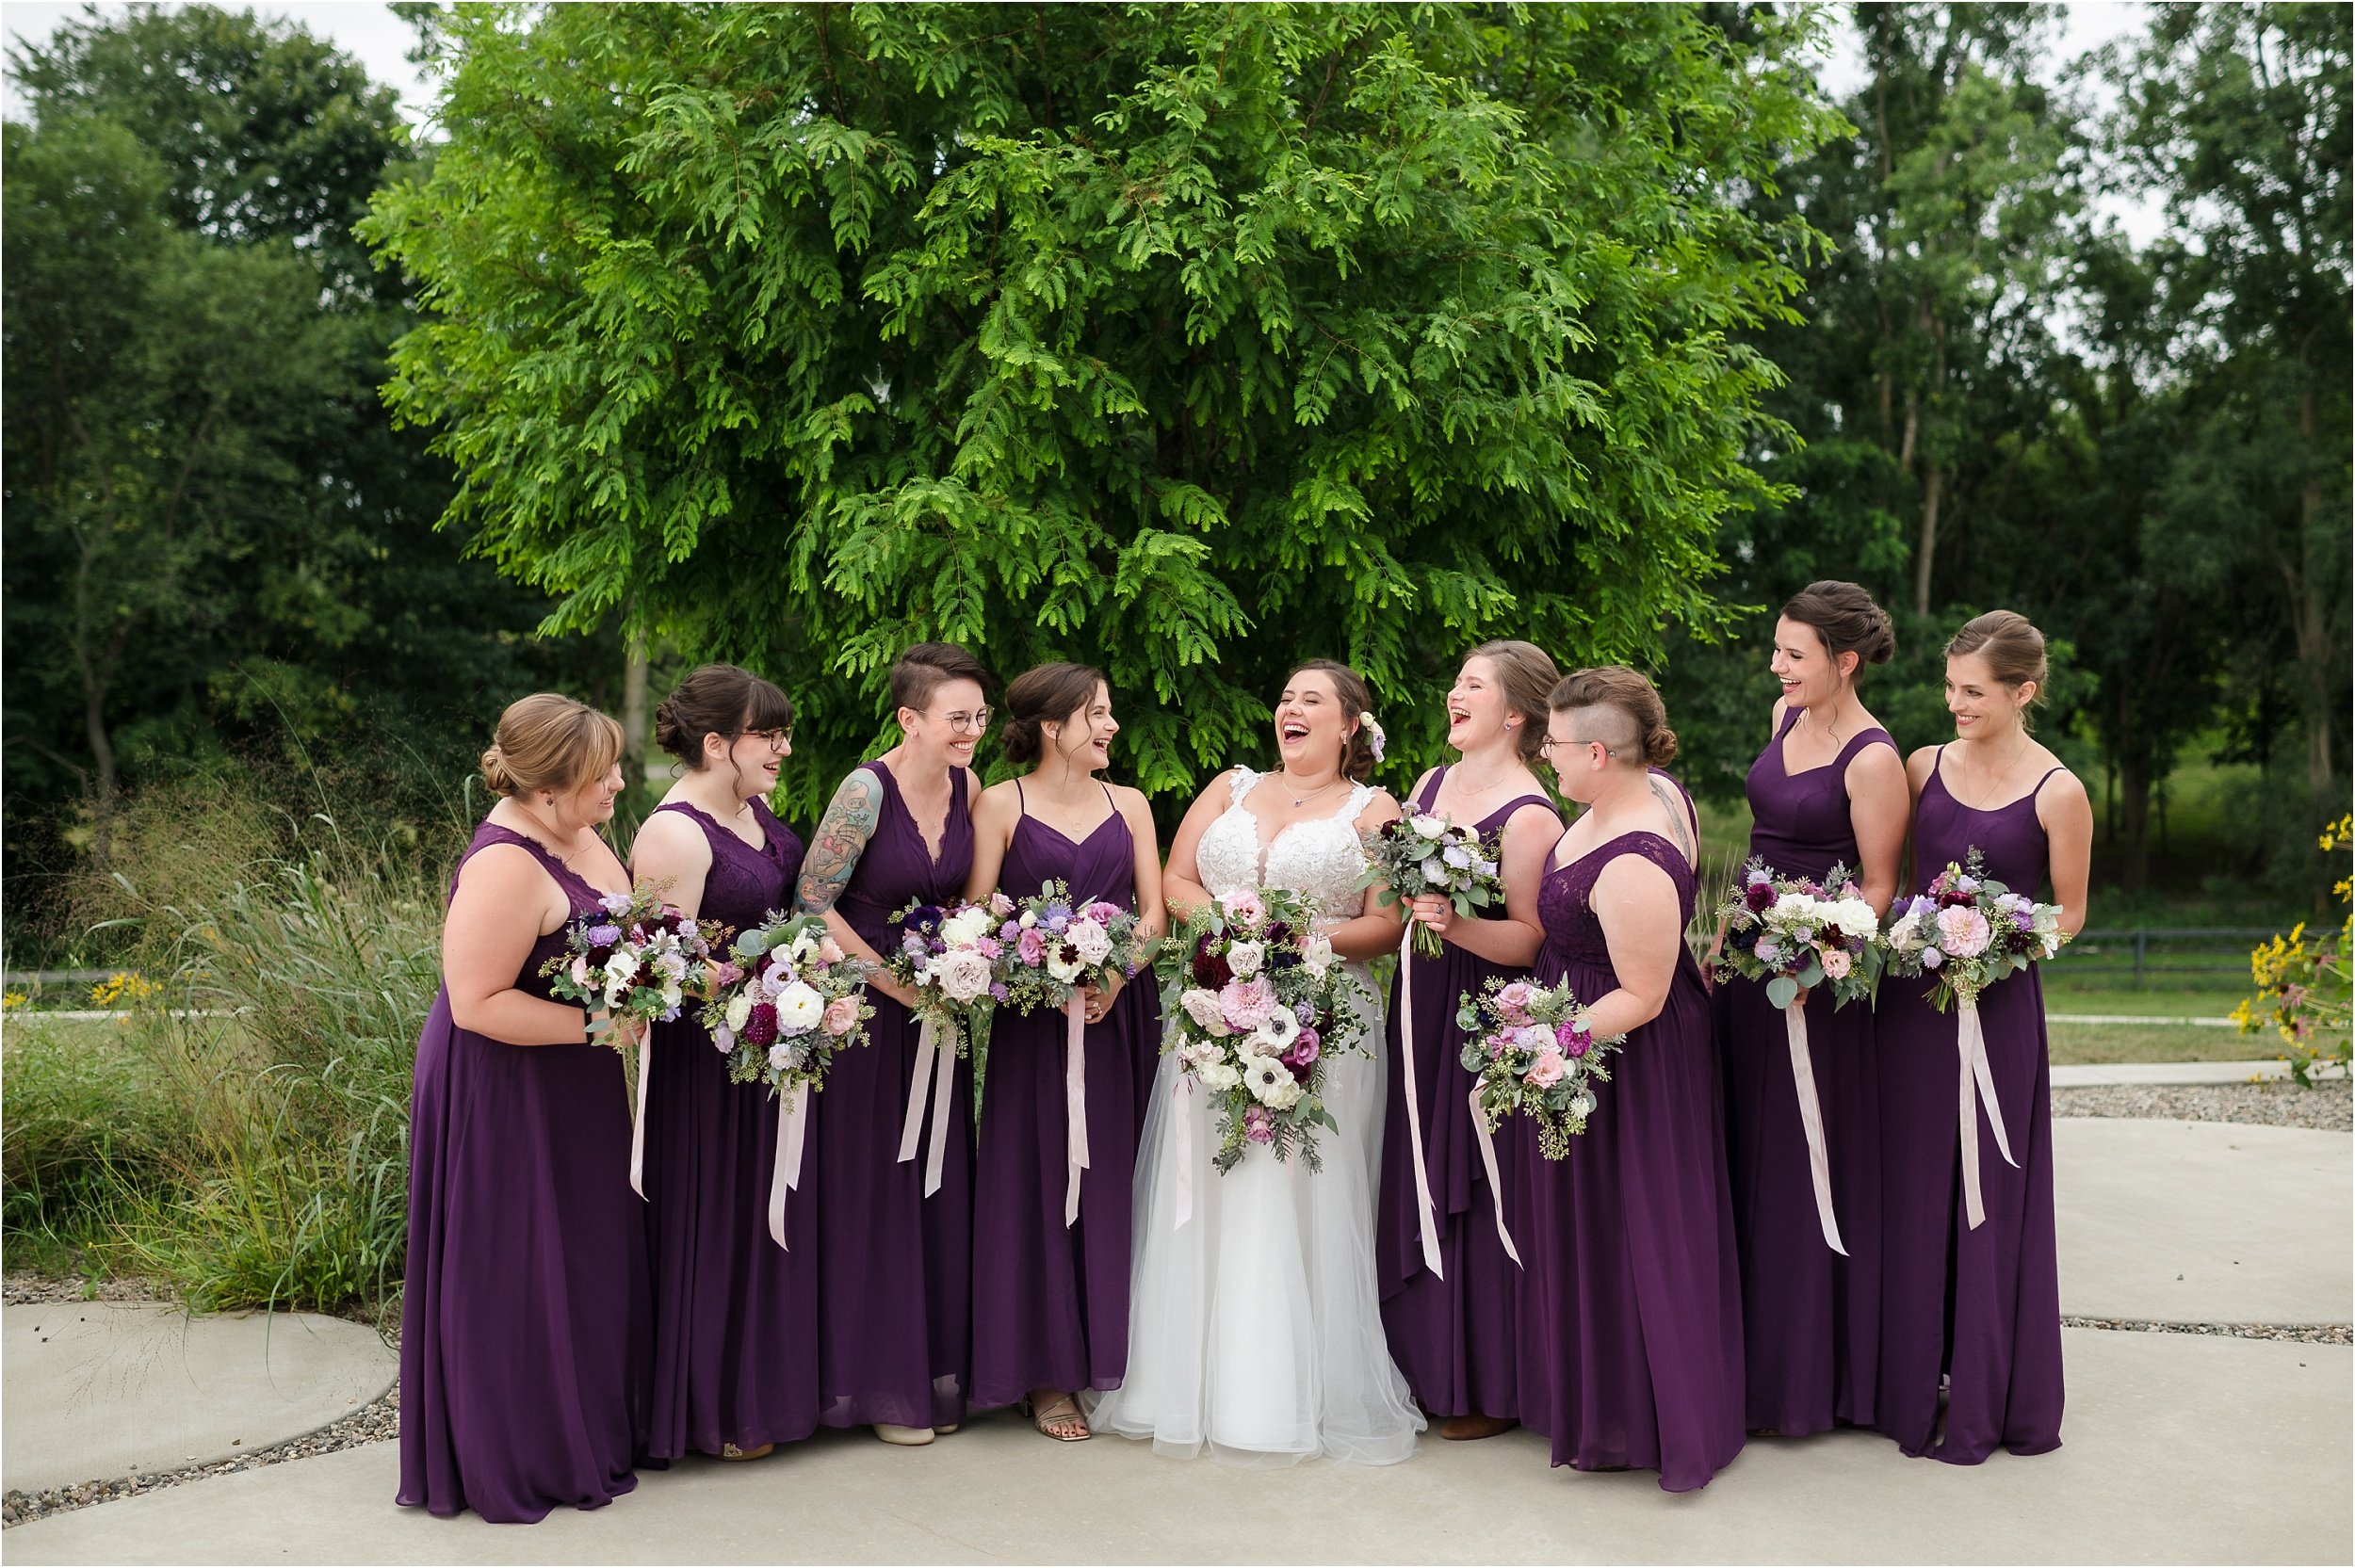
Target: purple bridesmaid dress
[[1811, 1317], [524, 1325], [1630, 1305], [735, 1315], [1983, 1304], [894, 1267], [1451, 1334], [1051, 1305]]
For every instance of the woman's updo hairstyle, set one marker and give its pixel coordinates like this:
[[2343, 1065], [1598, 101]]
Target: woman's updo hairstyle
[[1356, 700], [2010, 644], [1847, 621], [1529, 677], [721, 700], [1049, 694], [548, 741], [928, 666], [1637, 714]]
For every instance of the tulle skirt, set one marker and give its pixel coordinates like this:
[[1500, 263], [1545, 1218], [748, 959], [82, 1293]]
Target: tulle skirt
[[1255, 1329]]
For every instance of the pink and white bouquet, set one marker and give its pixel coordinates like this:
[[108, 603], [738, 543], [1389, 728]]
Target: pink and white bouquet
[[634, 957], [1049, 945], [1970, 930], [1796, 933], [948, 955], [790, 998], [1425, 854], [1256, 999], [1530, 1048]]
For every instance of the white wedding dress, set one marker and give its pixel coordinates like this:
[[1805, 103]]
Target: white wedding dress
[[1255, 1328]]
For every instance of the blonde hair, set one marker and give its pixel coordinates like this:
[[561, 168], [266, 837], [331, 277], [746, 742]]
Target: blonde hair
[[549, 741]]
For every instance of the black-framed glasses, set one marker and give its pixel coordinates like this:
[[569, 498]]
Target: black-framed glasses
[[776, 740]]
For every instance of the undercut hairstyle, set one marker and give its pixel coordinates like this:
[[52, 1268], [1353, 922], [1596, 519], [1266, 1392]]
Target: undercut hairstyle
[[1049, 694], [549, 741], [721, 700], [1356, 697], [1528, 675], [1847, 621], [1634, 708], [928, 666]]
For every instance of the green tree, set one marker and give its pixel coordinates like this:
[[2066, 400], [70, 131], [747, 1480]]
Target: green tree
[[1190, 340]]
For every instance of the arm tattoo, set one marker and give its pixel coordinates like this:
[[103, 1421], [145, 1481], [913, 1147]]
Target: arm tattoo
[[840, 839], [1675, 803]]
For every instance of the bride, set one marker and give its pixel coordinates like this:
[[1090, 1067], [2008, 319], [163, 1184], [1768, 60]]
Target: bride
[[1255, 1328]]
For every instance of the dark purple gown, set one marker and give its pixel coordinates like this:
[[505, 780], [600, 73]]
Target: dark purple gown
[[1451, 1334], [1051, 1305], [1984, 1303], [1811, 1317], [524, 1324], [1630, 1307], [735, 1315], [894, 1267]]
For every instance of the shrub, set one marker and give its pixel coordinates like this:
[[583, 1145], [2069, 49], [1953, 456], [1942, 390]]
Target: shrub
[[2303, 989]]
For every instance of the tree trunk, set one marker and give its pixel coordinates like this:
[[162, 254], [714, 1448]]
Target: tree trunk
[[1933, 490], [2317, 667], [634, 711], [2134, 794]]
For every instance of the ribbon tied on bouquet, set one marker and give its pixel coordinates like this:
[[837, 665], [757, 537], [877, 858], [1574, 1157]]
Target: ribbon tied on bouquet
[[935, 1079], [1811, 1122], [1975, 1086], [793, 1126], [1075, 1103], [1426, 1211], [1496, 1186]]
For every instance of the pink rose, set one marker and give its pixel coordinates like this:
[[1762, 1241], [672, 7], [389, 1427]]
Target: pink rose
[[1304, 1050], [999, 905], [1513, 1001], [1257, 1126], [1547, 1069], [1102, 913], [1963, 930], [828, 950], [1837, 963], [1244, 1004], [1242, 906], [1032, 944], [842, 1016]]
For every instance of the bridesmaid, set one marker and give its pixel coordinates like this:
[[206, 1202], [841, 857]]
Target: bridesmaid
[[1050, 1298], [1830, 789], [894, 1300], [1452, 1332], [1985, 1303], [735, 1315], [524, 1325], [1630, 1316]]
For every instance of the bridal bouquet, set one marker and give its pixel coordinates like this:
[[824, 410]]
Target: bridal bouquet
[[1426, 853], [1796, 933], [1253, 996], [1049, 945], [1529, 1048], [633, 957], [790, 997], [1970, 931], [948, 955]]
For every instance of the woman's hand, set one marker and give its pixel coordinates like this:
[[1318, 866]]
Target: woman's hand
[[1099, 999], [1429, 909], [893, 989]]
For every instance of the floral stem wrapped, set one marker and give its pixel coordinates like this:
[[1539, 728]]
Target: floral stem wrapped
[[1796, 933], [948, 954], [790, 998], [1530, 1049], [1970, 930], [1051, 946], [636, 957], [1256, 1000], [1426, 854]]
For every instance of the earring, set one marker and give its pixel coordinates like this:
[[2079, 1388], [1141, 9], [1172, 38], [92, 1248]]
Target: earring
[[1511, 722]]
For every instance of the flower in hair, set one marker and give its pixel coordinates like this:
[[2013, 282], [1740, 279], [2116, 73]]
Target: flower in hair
[[1374, 727]]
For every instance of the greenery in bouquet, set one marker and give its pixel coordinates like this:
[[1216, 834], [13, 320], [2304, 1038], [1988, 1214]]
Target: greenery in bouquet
[[1051, 946], [1970, 931], [789, 998], [1796, 933], [634, 957], [948, 955], [1530, 1049], [1425, 854]]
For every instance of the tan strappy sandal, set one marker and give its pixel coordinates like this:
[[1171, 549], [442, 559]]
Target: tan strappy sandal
[[1063, 1411]]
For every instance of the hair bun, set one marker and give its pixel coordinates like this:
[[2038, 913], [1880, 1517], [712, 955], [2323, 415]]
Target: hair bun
[[495, 772], [1660, 747]]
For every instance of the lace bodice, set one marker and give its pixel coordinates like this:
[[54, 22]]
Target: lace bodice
[[1319, 857]]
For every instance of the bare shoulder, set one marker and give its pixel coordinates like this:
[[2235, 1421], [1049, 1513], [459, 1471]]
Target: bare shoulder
[[505, 873], [1217, 791], [1129, 802], [1878, 765], [1920, 765], [2062, 791], [1544, 821], [1422, 783], [673, 835]]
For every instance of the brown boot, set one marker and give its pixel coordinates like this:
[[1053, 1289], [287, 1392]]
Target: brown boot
[[1471, 1428]]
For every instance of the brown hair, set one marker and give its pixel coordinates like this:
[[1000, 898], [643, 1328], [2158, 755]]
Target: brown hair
[[928, 666], [2012, 647], [1847, 622], [1529, 677], [721, 700], [547, 741], [1048, 695], [1628, 693], [1356, 697]]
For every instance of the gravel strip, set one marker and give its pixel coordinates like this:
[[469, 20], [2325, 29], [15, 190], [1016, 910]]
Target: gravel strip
[[2326, 1107], [30, 1289], [2305, 1333], [376, 1423]]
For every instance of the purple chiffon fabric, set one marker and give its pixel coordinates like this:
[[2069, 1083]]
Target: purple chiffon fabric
[[525, 1321], [1982, 1304], [1811, 1317], [1630, 1305], [735, 1315], [1452, 1333], [894, 1267], [1051, 1304]]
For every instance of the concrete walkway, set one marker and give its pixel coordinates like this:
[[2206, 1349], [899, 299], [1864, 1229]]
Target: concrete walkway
[[2094, 1074]]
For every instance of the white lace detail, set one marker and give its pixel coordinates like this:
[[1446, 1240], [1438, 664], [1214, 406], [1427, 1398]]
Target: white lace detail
[[1320, 856]]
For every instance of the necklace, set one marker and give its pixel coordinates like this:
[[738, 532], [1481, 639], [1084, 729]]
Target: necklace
[[1465, 790], [1320, 789]]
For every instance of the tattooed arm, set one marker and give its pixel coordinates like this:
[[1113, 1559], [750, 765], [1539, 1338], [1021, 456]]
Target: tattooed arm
[[1683, 819], [833, 854]]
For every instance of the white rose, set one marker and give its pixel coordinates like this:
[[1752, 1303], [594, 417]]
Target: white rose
[[966, 927], [620, 968], [1901, 935], [1202, 1006], [1795, 909], [1217, 1076], [1316, 954], [671, 998], [739, 1009], [799, 1008], [779, 1057], [1093, 940], [1244, 958], [1428, 826], [962, 975], [1856, 919]]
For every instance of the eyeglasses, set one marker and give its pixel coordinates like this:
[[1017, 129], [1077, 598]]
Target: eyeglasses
[[974, 722], [777, 740], [1547, 745]]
